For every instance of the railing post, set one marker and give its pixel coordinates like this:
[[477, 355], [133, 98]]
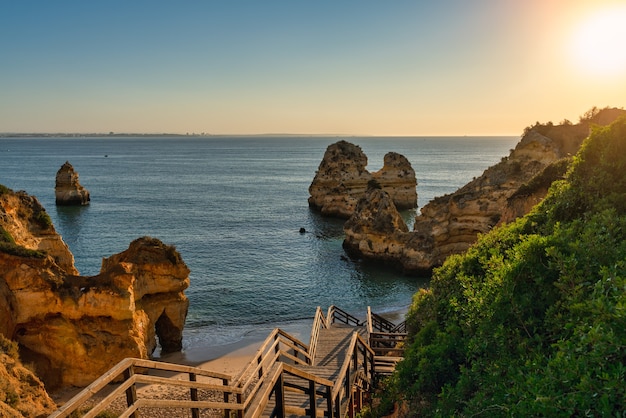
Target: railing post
[[259, 359], [131, 392], [239, 401], [312, 398], [193, 392], [279, 395], [351, 403], [329, 401], [226, 398], [277, 348], [358, 399]]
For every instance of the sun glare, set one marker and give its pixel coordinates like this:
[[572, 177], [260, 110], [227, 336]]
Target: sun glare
[[599, 44]]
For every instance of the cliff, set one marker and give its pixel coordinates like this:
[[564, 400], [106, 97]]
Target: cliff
[[342, 179], [22, 394], [73, 328], [68, 190], [451, 223]]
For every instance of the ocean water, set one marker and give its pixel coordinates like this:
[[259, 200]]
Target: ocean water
[[233, 207]]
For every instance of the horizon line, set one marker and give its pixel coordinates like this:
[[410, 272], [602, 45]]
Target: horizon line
[[207, 135]]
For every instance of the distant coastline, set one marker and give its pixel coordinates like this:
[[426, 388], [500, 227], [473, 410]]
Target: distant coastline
[[159, 135], [93, 135], [217, 135]]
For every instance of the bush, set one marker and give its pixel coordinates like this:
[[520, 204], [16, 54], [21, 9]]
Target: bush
[[18, 250], [531, 320]]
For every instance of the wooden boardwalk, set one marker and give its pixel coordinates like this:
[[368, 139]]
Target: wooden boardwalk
[[332, 376], [333, 350]]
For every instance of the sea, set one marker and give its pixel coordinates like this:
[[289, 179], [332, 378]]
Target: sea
[[233, 206]]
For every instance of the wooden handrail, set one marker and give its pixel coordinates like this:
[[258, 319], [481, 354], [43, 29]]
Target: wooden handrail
[[254, 386], [269, 383], [121, 369], [344, 378], [319, 322], [336, 314]]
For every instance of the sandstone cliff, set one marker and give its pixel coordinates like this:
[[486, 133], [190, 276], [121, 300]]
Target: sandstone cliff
[[22, 394], [342, 179], [450, 224], [68, 190], [74, 328]]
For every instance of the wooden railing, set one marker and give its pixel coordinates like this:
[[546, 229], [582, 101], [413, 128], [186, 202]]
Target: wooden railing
[[387, 340], [126, 371], [336, 314], [319, 322], [356, 373], [310, 386], [249, 393], [376, 323], [256, 381]]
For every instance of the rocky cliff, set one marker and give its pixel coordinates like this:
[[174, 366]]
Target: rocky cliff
[[73, 328], [68, 190], [450, 224], [342, 179], [22, 394]]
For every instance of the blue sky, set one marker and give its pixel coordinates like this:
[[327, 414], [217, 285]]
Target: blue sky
[[450, 67]]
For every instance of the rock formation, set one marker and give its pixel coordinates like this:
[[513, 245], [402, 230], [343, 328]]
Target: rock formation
[[73, 328], [68, 190], [376, 230], [341, 180], [22, 394], [450, 224]]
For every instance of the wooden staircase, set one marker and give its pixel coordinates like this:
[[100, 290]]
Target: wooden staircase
[[332, 376]]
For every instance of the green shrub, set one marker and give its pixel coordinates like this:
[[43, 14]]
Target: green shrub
[[531, 320], [5, 236], [43, 219], [18, 250]]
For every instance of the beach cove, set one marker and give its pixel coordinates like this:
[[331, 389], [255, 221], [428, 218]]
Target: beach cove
[[233, 207]]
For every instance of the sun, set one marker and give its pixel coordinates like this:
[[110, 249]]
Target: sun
[[599, 43]]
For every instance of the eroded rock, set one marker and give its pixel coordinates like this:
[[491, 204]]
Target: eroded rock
[[450, 224], [74, 328], [68, 190], [342, 179]]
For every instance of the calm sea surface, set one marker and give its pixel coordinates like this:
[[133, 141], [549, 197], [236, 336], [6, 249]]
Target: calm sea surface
[[233, 207]]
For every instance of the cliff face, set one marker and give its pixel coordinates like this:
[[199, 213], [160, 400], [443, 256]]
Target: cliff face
[[22, 394], [24, 219], [68, 190], [376, 228], [341, 180], [74, 328], [450, 224]]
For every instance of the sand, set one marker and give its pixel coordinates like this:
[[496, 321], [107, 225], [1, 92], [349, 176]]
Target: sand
[[230, 359]]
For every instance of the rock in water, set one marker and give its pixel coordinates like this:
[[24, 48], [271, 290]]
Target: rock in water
[[341, 180], [68, 190]]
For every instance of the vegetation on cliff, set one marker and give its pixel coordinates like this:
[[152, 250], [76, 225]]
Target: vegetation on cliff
[[531, 320]]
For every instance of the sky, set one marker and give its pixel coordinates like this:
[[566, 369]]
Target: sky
[[353, 67]]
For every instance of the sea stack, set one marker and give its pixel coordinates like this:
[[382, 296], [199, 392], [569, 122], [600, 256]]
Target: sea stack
[[68, 190], [341, 180]]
